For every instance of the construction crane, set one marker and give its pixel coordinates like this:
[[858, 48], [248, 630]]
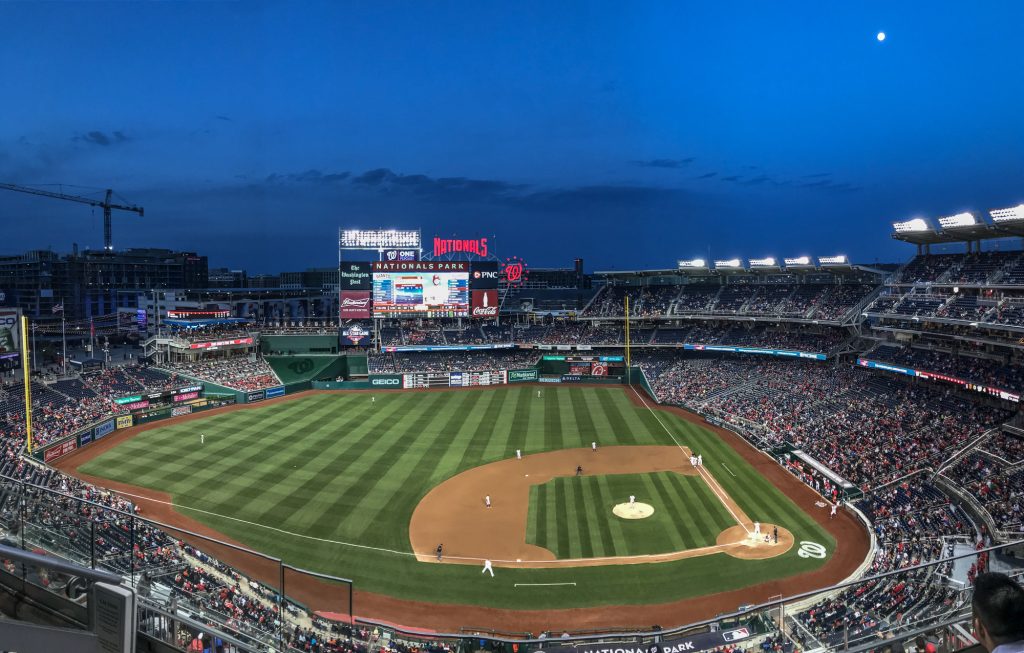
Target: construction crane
[[105, 204]]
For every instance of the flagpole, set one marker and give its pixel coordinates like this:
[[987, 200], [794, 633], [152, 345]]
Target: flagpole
[[27, 381]]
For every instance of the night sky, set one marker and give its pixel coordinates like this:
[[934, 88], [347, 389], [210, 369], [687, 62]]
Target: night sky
[[631, 134]]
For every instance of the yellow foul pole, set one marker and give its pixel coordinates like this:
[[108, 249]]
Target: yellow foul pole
[[628, 375], [28, 382]]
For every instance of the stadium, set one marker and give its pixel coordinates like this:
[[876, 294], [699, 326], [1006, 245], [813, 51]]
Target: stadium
[[806, 453]]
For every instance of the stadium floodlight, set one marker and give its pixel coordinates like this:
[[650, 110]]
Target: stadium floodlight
[[694, 263], [964, 219], [800, 260], [767, 262], [833, 260], [379, 238], [729, 263], [917, 224], [1008, 215]]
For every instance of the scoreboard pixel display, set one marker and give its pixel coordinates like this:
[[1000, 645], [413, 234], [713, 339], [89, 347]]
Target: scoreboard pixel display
[[421, 289]]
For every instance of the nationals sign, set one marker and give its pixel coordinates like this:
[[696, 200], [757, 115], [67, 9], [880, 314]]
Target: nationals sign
[[476, 246], [484, 303], [514, 271]]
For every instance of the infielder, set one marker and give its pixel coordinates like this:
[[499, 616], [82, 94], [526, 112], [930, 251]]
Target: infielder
[[593, 447], [519, 454], [693, 460], [488, 567], [440, 548], [700, 460], [487, 501], [757, 528]]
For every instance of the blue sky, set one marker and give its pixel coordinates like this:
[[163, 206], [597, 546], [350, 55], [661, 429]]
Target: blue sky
[[631, 134]]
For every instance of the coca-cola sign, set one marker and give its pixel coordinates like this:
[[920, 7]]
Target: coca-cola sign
[[484, 303]]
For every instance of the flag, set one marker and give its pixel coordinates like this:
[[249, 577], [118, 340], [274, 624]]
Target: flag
[[58, 308]]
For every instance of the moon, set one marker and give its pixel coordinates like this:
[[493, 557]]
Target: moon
[[881, 36]]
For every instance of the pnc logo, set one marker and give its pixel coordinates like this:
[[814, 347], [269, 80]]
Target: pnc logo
[[485, 274]]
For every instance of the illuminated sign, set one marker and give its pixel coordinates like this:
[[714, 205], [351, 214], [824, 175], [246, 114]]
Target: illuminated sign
[[186, 396], [189, 314], [354, 276], [220, 343], [476, 246], [400, 255], [421, 266], [514, 271], [379, 239], [484, 303]]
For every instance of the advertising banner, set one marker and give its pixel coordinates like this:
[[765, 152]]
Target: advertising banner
[[353, 335], [355, 304], [934, 376], [695, 642], [483, 275], [275, 392], [400, 255], [386, 381], [354, 276], [220, 343], [85, 437], [185, 397], [124, 421], [484, 304], [572, 378], [523, 376], [10, 332], [104, 429], [256, 395], [599, 369], [58, 450], [181, 410], [550, 379]]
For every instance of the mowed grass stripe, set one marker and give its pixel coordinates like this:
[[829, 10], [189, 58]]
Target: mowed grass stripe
[[472, 454], [584, 425], [520, 421], [573, 517], [536, 426], [553, 511], [291, 511], [586, 514], [391, 490], [617, 542], [561, 518], [552, 421], [376, 461], [709, 503], [536, 515], [676, 504], [660, 498], [623, 432], [499, 445], [600, 533]]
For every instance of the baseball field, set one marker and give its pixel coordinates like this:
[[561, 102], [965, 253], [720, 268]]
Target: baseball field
[[366, 485]]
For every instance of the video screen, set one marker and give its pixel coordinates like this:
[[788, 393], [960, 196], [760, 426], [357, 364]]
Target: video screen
[[424, 294]]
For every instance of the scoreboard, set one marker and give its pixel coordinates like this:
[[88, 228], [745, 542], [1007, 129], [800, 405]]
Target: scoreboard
[[421, 289]]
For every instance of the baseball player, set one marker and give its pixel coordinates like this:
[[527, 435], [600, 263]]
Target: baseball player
[[487, 500], [593, 447], [632, 500], [832, 512], [202, 438], [373, 399], [700, 460], [757, 528], [488, 568], [519, 454], [579, 470], [538, 394], [775, 533], [440, 549]]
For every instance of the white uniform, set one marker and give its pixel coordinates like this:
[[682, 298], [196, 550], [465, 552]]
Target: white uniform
[[693, 461], [519, 454], [593, 446], [488, 568], [202, 438], [700, 460], [487, 500], [632, 499], [538, 394], [833, 513], [373, 399], [757, 528]]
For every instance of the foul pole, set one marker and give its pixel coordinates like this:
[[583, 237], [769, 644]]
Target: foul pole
[[28, 382], [629, 373]]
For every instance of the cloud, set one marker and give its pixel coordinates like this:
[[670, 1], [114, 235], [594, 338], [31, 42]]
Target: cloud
[[732, 178], [756, 181], [102, 138], [707, 175], [224, 118], [817, 174], [311, 176], [665, 163]]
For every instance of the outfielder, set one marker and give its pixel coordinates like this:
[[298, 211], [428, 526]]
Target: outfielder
[[519, 454], [202, 438], [488, 568], [593, 447]]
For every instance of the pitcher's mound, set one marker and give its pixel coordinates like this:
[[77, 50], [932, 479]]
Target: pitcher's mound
[[635, 511]]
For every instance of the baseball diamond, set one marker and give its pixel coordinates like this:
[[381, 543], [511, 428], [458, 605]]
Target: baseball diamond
[[343, 483]]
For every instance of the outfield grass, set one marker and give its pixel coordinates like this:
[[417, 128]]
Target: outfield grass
[[571, 516], [299, 479]]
